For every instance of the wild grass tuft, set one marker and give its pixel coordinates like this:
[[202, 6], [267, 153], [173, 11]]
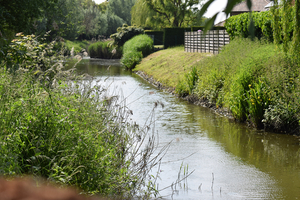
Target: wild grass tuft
[[103, 49]]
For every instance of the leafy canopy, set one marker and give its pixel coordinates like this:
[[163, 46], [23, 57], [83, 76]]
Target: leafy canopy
[[174, 13]]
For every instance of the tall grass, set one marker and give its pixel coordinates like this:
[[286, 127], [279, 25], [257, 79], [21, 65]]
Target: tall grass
[[66, 129], [76, 45], [135, 49], [103, 49]]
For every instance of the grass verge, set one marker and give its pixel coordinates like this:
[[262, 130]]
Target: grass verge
[[170, 65]]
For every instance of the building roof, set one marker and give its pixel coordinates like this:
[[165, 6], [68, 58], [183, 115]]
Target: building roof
[[257, 5]]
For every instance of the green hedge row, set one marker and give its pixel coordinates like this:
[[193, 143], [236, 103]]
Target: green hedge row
[[157, 36], [238, 25], [135, 49]]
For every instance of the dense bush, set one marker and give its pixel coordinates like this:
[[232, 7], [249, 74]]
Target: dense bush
[[104, 49], [238, 25], [255, 83], [135, 49], [125, 33]]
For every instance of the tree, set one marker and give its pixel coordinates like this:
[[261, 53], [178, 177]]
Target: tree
[[175, 12], [63, 19], [19, 15], [121, 8], [103, 6], [142, 15], [113, 22]]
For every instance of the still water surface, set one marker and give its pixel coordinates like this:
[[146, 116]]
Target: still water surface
[[230, 161]]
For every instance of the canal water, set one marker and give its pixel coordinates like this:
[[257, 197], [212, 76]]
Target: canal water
[[228, 160]]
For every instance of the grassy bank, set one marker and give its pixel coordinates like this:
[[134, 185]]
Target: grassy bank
[[249, 78], [170, 65]]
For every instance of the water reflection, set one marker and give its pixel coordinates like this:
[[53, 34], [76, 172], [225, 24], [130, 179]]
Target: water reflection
[[230, 161]]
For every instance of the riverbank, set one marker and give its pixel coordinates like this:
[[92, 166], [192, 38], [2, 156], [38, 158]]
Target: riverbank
[[156, 69], [194, 99], [256, 85]]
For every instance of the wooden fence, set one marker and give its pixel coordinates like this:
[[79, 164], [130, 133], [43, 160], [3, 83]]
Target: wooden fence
[[211, 42]]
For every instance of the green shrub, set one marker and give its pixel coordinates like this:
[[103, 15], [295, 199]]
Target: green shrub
[[104, 49], [125, 33], [135, 49]]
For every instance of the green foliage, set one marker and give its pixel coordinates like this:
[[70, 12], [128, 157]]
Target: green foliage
[[19, 15], [174, 13], [103, 49], [65, 138], [28, 53], [142, 15], [135, 49], [239, 25], [94, 23], [125, 33], [77, 45], [286, 28], [62, 127], [255, 83], [182, 88], [70, 19], [185, 87], [258, 98], [103, 6], [121, 8]]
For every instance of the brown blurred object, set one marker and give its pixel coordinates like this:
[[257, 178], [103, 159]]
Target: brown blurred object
[[26, 189]]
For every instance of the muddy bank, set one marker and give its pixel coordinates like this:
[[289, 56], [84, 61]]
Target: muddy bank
[[190, 98]]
